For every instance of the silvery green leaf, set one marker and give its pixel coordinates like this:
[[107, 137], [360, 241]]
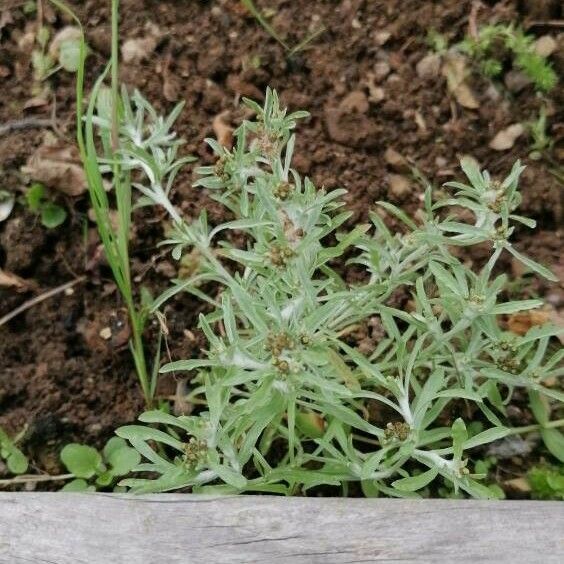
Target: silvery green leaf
[[229, 476], [459, 437], [524, 220], [186, 365], [472, 171], [513, 307], [414, 483], [487, 436], [539, 406], [532, 265], [539, 332], [554, 441], [139, 432], [69, 54], [445, 279]]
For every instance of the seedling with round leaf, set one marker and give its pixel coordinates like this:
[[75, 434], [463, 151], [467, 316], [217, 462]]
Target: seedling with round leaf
[[16, 461], [38, 201], [94, 470]]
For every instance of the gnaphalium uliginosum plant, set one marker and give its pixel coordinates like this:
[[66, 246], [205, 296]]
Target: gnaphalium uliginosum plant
[[286, 398]]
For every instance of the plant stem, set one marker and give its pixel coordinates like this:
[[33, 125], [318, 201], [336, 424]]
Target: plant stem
[[115, 74], [32, 479], [115, 241], [123, 199], [537, 427], [138, 353]]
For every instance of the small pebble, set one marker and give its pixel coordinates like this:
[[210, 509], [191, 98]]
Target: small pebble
[[381, 37], [105, 333], [381, 70], [396, 161], [545, 46], [355, 101], [400, 186], [505, 139]]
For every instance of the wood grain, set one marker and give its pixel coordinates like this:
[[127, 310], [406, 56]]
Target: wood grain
[[114, 529]]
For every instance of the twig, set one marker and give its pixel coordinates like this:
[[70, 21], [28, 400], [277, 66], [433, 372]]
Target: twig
[[26, 123], [30, 479], [38, 299], [472, 25], [548, 23]]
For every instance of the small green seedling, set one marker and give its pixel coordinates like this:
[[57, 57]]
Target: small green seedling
[[15, 459], [29, 7], [547, 482], [66, 56], [52, 215], [541, 140], [261, 19], [494, 41], [552, 437], [437, 41], [93, 470], [41, 61]]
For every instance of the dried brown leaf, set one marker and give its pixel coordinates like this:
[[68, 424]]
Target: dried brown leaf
[[136, 50], [521, 322], [10, 280], [57, 166], [454, 70], [223, 131]]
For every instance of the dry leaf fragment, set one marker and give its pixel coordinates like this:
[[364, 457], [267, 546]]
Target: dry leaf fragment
[[396, 161], [420, 121], [37, 101], [10, 280], [400, 186], [375, 93], [223, 131], [516, 80], [518, 484], [429, 66], [505, 139], [171, 87], [521, 322], [454, 70], [465, 97], [57, 166], [556, 316], [355, 101], [137, 50]]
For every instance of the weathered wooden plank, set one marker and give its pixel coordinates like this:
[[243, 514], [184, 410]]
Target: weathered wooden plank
[[114, 529]]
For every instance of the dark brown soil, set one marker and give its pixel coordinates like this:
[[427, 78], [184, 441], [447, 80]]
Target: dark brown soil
[[57, 375]]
